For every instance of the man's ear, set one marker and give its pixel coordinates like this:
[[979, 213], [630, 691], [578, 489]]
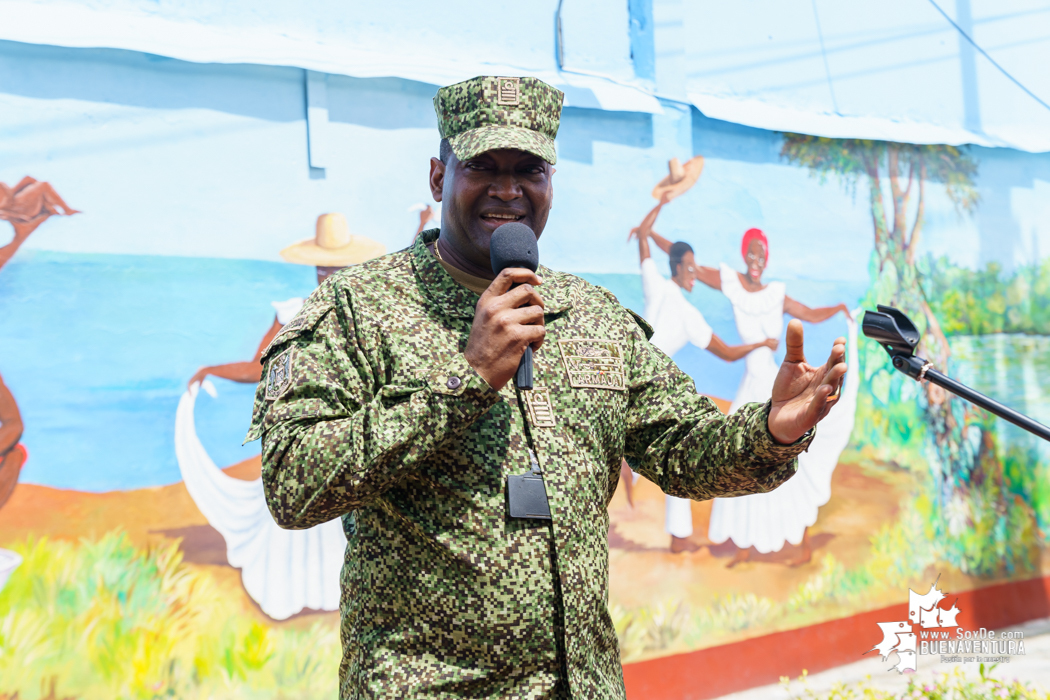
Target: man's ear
[[437, 178]]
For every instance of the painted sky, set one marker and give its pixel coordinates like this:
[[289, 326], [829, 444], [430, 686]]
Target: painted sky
[[193, 177], [173, 158]]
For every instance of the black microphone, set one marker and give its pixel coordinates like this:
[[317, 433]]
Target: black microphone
[[514, 245]]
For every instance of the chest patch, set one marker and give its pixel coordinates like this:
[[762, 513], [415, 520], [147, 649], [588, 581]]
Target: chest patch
[[594, 363], [279, 375], [538, 401]]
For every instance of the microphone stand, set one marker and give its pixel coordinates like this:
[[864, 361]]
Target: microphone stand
[[899, 337]]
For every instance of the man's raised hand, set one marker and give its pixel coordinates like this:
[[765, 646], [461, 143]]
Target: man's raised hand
[[802, 394], [506, 321]]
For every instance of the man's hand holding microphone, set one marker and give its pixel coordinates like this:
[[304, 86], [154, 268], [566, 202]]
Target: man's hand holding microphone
[[509, 316]]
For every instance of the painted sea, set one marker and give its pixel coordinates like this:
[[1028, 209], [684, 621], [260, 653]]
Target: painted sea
[[97, 350]]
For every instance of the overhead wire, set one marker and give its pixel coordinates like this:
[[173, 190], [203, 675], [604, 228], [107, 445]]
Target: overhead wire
[[824, 53], [984, 53]]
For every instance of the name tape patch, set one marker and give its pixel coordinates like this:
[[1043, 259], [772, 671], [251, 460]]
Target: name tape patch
[[594, 363]]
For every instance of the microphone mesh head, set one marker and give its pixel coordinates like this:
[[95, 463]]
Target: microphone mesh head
[[514, 245]]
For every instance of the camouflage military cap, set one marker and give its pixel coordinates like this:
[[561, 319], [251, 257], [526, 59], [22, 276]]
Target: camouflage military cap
[[487, 113]]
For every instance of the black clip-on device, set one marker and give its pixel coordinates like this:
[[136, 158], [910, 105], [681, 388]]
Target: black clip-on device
[[899, 337]]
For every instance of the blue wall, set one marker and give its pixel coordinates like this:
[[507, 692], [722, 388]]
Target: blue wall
[[192, 177]]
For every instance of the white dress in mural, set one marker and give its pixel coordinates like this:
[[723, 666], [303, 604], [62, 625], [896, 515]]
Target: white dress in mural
[[675, 323], [284, 571], [766, 521]]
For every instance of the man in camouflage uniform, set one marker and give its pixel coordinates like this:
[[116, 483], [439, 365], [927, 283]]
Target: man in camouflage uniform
[[388, 402]]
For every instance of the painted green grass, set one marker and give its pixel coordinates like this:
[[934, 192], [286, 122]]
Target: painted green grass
[[954, 685], [895, 562], [104, 619], [981, 539]]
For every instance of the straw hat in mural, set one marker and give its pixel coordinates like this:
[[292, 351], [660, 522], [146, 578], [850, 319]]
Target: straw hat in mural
[[680, 178], [333, 245]]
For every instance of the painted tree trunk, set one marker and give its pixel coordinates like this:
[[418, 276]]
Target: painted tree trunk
[[978, 523], [957, 463]]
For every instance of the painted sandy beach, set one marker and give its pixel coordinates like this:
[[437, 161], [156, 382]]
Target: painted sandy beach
[[143, 579], [149, 517], [663, 603]]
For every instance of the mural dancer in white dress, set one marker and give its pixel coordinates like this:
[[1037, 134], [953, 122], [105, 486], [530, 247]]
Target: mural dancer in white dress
[[766, 521], [284, 571], [677, 323]]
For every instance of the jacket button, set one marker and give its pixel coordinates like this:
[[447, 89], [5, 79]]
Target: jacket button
[[453, 382]]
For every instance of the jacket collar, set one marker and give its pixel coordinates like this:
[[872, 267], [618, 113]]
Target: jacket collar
[[457, 301]]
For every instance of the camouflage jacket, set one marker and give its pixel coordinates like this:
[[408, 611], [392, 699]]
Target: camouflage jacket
[[368, 411]]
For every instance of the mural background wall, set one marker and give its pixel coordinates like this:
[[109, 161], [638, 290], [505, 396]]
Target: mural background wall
[[189, 178]]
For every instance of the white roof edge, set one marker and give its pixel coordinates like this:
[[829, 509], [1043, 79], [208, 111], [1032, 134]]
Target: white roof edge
[[80, 27], [764, 115], [77, 26]]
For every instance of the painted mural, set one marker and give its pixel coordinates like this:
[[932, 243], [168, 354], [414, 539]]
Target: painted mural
[[909, 482], [137, 557]]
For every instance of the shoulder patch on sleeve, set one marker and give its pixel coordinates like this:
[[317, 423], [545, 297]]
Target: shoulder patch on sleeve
[[279, 375], [646, 328]]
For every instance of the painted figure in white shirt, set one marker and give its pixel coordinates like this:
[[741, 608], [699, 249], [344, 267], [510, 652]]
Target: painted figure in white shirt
[[677, 323], [766, 522]]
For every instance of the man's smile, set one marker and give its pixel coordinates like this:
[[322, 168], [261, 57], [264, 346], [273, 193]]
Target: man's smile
[[494, 219]]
